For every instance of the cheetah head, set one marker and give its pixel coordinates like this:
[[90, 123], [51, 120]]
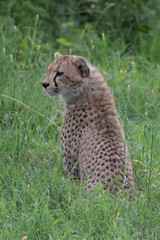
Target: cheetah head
[[67, 76]]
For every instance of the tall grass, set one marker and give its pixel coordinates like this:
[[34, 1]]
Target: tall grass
[[37, 201]]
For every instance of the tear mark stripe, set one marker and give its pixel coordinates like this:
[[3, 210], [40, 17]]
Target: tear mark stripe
[[56, 85]]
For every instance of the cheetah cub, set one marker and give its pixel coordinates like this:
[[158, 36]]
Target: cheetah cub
[[92, 139]]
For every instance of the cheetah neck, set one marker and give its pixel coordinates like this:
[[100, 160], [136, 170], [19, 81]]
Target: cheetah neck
[[95, 92]]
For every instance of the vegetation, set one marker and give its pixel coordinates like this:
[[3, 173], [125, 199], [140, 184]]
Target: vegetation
[[37, 201]]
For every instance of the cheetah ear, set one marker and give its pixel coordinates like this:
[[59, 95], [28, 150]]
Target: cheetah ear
[[81, 65], [57, 55]]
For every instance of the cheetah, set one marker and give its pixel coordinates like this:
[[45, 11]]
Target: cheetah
[[92, 139]]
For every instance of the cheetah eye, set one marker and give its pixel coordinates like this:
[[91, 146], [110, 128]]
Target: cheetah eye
[[59, 74]]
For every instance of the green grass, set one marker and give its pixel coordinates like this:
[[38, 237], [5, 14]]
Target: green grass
[[37, 201]]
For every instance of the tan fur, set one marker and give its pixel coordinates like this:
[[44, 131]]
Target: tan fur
[[92, 139]]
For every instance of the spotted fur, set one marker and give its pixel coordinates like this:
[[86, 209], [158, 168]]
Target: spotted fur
[[92, 139]]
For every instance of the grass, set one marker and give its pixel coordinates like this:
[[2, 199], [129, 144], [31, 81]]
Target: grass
[[37, 201]]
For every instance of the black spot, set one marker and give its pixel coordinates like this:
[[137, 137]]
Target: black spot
[[117, 154], [114, 160]]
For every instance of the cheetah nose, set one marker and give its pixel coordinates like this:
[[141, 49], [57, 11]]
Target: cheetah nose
[[45, 85]]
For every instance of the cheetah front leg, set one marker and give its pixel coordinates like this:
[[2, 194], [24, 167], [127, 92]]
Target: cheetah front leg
[[71, 167]]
